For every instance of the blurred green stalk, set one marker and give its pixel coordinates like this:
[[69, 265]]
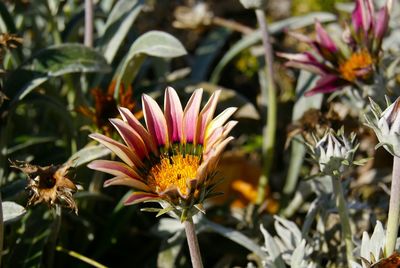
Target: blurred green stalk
[[1, 228], [394, 208], [344, 218], [88, 38], [269, 134], [193, 244]]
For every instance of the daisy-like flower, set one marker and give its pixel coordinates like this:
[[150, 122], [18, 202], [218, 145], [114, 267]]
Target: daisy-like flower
[[348, 64], [174, 159]]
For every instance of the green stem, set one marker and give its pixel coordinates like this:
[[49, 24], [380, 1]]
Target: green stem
[[394, 208], [344, 218], [1, 229], [88, 38], [193, 244], [269, 134], [52, 239]]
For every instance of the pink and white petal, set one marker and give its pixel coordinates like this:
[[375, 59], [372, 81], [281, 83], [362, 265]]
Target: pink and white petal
[[381, 23], [190, 116], [324, 39], [327, 84], [127, 181], [171, 192], [219, 120], [361, 16], [212, 139], [219, 135], [319, 69], [119, 149], [211, 160], [206, 115], [114, 168], [155, 120], [173, 115], [131, 137], [128, 117], [138, 197]]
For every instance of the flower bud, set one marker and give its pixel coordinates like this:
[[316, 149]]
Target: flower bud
[[334, 152], [386, 125]]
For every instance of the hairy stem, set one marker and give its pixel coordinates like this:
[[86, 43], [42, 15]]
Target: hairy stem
[[269, 133], [193, 244], [344, 218], [394, 208], [88, 38]]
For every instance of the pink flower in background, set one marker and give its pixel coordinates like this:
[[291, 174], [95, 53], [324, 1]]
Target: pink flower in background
[[175, 157], [347, 65]]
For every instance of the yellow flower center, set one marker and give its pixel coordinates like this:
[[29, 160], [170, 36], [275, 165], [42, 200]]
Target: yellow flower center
[[173, 172], [357, 61]]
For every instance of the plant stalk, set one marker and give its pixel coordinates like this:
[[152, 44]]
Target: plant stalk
[[88, 38], [1, 229], [270, 132], [52, 239], [233, 25], [394, 208], [193, 244], [344, 218]]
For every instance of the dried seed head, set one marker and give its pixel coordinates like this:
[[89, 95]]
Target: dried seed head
[[48, 184]]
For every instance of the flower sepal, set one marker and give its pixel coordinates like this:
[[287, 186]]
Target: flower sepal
[[386, 125], [334, 152]]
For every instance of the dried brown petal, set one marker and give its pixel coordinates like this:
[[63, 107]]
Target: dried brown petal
[[48, 184]]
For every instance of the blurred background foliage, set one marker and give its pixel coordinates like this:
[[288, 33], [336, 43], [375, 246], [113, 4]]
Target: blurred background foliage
[[58, 91]]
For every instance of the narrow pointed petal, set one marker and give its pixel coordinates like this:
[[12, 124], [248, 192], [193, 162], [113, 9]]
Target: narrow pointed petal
[[211, 161], [219, 134], [361, 16], [305, 61], [114, 168], [155, 120], [119, 149], [327, 84], [219, 120], [128, 117], [138, 197], [173, 115], [190, 116], [324, 39], [127, 181], [131, 137], [381, 23], [206, 115]]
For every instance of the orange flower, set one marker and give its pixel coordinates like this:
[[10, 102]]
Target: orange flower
[[106, 106]]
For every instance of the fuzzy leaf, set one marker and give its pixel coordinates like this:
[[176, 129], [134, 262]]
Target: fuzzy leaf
[[12, 211]]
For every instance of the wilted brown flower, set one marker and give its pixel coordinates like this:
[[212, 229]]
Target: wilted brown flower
[[106, 106], [48, 184]]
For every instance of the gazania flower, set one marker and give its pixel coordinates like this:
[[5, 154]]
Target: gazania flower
[[174, 159], [49, 184], [106, 106], [351, 63]]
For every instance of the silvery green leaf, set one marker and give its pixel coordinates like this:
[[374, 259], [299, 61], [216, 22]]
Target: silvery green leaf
[[153, 43], [87, 154], [272, 249], [298, 256], [118, 24], [235, 236], [288, 232], [12, 211]]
